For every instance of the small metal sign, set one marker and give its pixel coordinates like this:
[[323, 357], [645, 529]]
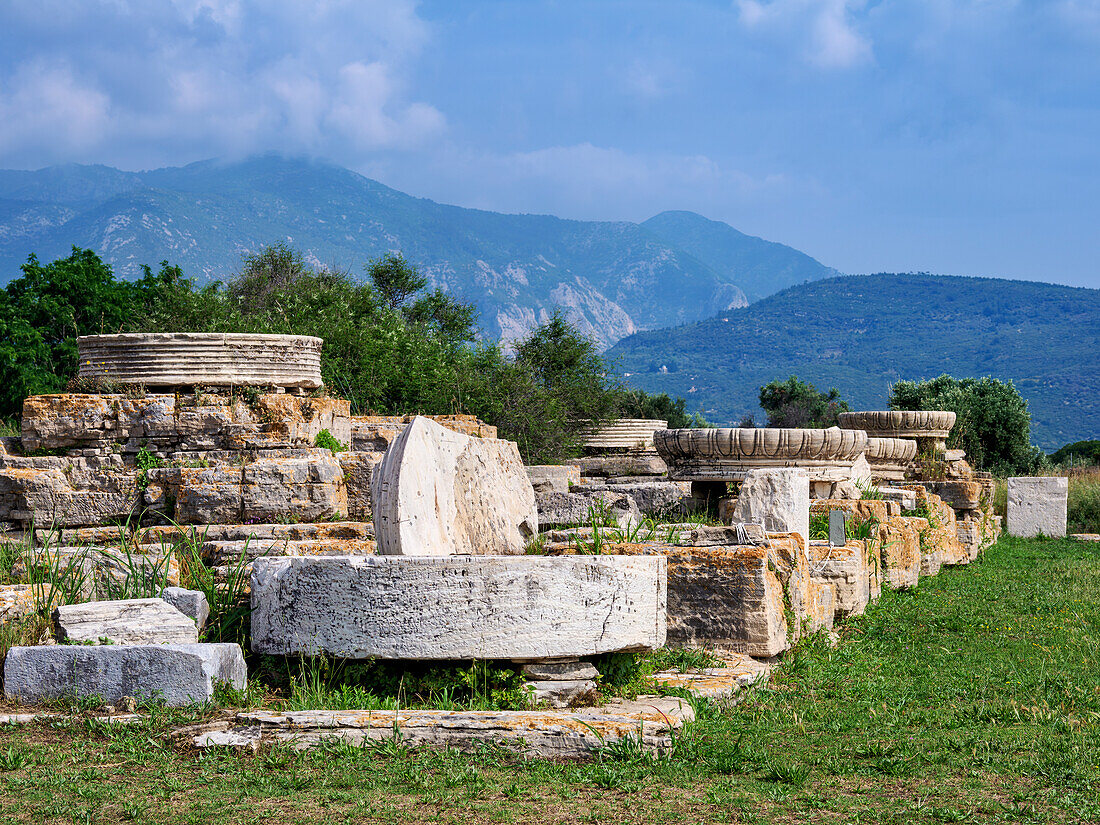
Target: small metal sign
[[838, 535]]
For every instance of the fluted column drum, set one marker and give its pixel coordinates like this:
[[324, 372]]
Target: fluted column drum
[[202, 359], [633, 434]]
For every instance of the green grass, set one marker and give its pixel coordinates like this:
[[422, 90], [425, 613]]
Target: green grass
[[972, 698]]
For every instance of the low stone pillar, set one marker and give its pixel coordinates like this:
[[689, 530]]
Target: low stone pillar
[[779, 499], [1037, 506]]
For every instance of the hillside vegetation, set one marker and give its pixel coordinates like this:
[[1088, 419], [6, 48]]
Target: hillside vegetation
[[860, 334]]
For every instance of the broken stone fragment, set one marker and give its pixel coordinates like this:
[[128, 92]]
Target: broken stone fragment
[[560, 693], [441, 493], [124, 622], [191, 603], [559, 671]]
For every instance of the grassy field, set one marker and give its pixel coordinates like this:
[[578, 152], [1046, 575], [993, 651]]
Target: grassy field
[[974, 698]]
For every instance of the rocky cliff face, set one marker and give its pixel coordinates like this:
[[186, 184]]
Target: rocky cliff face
[[610, 278]]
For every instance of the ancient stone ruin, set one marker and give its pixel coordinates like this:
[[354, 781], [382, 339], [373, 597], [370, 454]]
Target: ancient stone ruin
[[426, 539]]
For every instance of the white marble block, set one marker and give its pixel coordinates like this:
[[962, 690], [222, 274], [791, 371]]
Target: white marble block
[[475, 607], [442, 493], [1037, 506], [778, 499]]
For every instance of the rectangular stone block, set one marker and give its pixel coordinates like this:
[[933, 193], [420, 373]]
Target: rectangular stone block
[[734, 599], [779, 499], [176, 675], [1037, 506], [358, 470], [476, 607], [848, 570], [553, 478], [900, 551]]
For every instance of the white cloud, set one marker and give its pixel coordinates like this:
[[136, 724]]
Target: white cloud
[[823, 32], [138, 82]]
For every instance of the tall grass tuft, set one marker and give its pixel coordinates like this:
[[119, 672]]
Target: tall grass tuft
[[229, 601]]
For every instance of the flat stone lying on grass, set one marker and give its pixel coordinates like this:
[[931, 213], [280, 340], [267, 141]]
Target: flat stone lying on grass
[[124, 622], [177, 675], [472, 607], [191, 603], [575, 734], [1037, 506], [441, 493]]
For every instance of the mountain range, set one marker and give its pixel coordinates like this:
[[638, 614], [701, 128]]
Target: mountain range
[[610, 278], [861, 333]]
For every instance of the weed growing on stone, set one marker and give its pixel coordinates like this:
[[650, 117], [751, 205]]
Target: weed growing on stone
[[328, 441]]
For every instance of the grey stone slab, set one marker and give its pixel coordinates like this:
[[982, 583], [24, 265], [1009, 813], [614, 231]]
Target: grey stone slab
[[177, 675], [564, 671], [474, 607]]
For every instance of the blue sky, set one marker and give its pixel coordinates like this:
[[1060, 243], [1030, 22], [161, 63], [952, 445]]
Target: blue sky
[[953, 137]]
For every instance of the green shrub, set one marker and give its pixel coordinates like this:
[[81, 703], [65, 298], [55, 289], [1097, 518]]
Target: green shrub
[[328, 441], [992, 420], [1083, 513]]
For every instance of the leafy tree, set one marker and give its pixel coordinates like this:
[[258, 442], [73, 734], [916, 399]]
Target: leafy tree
[[795, 403], [44, 311], [992, 421], [639, 404], [395, 279]]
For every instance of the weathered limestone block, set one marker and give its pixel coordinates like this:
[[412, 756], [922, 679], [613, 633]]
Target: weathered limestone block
[[932, 551], [583, 507], [375, 433], [563, 694], [654, 498], [732, 599], [977, 532], [779, 499], [1037, 506], [941, 537], [623, 464], [232, 553], [191, 603], [358, 470], [308, 489], [899, 495], [176, 675], [48, 496], [124, 622], [681, 535], [848, 570], [568, 671], [326, 530], [16, 601], [900, 551], [441, 493], [553, 478], [959, 495], [163, 424], [477, 607], [822, 606]]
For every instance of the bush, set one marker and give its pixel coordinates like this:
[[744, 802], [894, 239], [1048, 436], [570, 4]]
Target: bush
[[1078, 453], [795, 403], [1083, 510], [992, 420]]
